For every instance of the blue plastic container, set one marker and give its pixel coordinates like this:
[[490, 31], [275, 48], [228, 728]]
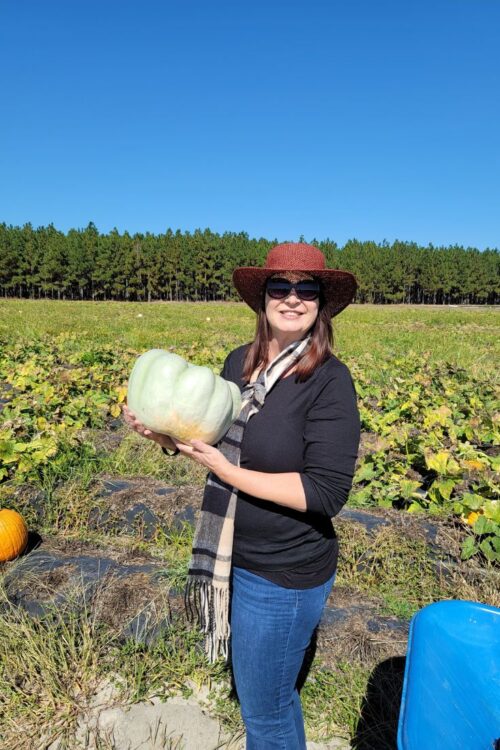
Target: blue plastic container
[[451, 690]]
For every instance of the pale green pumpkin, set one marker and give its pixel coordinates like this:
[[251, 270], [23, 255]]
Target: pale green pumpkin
[[171, 396]]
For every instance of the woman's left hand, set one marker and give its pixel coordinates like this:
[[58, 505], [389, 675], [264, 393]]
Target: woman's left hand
[[206, 455], [284, 489]]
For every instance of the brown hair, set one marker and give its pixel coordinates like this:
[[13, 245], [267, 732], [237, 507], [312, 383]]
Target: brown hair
[[320, 349]]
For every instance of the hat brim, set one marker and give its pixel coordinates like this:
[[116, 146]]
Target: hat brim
[[338, 287]]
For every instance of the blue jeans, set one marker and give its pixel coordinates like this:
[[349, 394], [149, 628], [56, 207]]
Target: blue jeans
[[271, 628]]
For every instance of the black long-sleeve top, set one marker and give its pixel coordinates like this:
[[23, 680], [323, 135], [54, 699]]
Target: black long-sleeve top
[[312, 428]]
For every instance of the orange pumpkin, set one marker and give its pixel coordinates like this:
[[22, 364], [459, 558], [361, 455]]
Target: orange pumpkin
[[13, 534]]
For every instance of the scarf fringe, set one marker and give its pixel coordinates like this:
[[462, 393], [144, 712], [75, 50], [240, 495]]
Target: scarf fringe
[[208, 603], [207, 596]]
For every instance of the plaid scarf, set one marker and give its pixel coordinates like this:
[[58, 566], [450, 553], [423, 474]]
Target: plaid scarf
[[207, 589]]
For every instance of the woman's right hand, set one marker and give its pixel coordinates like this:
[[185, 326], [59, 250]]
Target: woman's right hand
[[165, 441]]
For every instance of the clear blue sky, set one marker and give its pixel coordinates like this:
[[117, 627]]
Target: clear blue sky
[[355, 118]]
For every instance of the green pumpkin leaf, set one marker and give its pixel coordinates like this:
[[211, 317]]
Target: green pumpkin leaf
[[441, 489], [384, 502], [491, 510], [483, 526], [438, 416], [473, 501], [392, 416], [438, 462], [12, 459], [415, 508], [468, 548], [486, 548], [445, 487], [365, 473], [362, 496], [6, 449], [408, 487], [442, 462]]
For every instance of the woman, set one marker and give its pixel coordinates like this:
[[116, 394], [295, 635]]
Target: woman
[[282, 472]]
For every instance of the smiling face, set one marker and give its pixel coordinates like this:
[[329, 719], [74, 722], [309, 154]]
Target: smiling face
[[290, 318]]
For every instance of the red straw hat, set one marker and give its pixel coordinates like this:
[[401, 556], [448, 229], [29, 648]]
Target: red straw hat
[[339, 287]]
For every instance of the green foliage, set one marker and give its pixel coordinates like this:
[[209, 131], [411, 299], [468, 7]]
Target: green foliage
[[51, 667], [430, 425], [85, 264], [434, 430], [483, 517], [53, 390], [390, 565]]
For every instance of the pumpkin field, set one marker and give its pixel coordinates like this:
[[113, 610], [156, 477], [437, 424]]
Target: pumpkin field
[[422, 522]]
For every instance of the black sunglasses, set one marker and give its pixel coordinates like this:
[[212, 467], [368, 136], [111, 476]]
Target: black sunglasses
[[306, 290]]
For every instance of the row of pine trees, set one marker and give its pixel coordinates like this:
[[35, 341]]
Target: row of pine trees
[[84, 264]]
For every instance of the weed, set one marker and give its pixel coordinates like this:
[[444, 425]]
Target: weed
[[138, 457], [51, 667], [176, 545], [390, 565], [48, 669], [332, 699]]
